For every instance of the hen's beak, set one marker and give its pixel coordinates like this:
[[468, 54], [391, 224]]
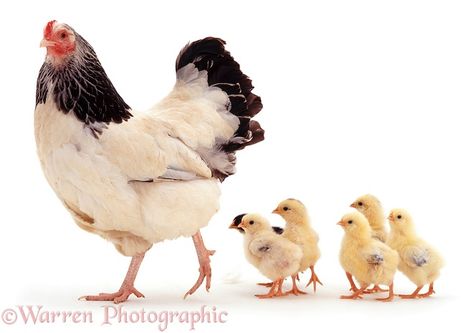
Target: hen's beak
[[46, 43], [342, 223]]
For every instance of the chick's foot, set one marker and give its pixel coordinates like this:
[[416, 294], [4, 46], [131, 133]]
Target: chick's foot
[[205, 271], [275, 291], [267, 284], [358, 294], [376, 289], [313, 279], [295, 290], [390, 296], [127, 287]]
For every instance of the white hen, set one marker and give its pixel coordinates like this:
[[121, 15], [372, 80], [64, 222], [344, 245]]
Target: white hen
[[140, 178]]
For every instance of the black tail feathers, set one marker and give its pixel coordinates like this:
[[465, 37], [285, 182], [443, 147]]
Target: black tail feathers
[[224, 72]]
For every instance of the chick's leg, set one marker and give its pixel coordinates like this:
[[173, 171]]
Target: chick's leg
[[204, 261], [390, 296], [275, 291], [313, 279], [295, 290], [266, 284], [127, 287], [353, 286], [413, 295], [428, 293], [357, 294], [376, 289]]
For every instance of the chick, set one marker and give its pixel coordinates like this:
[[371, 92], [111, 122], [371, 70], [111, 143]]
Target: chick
[[366, 258], [420, 262], [299, 231], [273, 255], [371, 208]]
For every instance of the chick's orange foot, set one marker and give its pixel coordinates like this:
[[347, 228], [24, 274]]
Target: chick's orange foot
[[275, 291], [295, 290], [416, 294], [375, 289], [205, 271], [314, 279], [265, 284]]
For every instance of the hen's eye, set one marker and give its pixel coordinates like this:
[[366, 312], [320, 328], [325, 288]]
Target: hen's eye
[[350, 222], [399, 217], [286, 208], [252, 222], [63, 35]]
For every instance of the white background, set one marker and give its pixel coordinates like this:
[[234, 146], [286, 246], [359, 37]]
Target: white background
[[359, 97]]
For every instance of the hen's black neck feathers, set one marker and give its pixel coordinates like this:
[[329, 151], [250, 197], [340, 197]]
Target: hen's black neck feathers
[[80, 85]]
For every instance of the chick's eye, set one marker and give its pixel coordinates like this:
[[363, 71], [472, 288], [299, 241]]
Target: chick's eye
[[286, 208], [399, 217], [350, 222], [252, 222], [360, 204]]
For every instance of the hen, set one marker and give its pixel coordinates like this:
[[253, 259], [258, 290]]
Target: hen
[[138, 178]]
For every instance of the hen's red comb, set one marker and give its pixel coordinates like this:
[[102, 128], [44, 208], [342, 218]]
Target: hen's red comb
[[48, 30]]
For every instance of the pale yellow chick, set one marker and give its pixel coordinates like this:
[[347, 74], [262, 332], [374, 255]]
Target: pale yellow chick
[[371, 208], [273, 255], [420, 262], [366, 258], [299, 231]]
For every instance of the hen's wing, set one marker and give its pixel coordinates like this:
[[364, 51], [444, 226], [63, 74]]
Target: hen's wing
[[144, 151]]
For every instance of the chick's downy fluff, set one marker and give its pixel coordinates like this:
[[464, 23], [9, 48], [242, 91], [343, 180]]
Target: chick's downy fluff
[[420, 262], [273, 255], [299, 231], [367, 259], [372, 209]]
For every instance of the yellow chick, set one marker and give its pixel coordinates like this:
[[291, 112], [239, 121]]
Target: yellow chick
[[420, 262], [371, 208], [366, 258], [299, 231], [273, 255]]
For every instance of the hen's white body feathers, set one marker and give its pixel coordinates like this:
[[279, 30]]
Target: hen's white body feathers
[[105, 181]]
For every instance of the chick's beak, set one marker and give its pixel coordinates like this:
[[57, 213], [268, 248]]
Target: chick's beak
[[233, 226], [277, 211], [353, 205], [46, 43], [391, 217], [342, 223]]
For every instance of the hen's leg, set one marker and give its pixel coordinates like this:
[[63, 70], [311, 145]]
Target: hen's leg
[[204, 261], [127, 287]]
